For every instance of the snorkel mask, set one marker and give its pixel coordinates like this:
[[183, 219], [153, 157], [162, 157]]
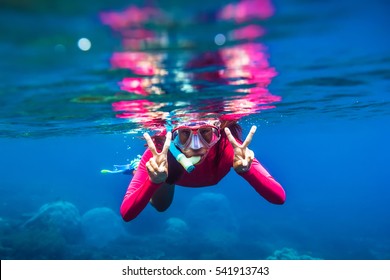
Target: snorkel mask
[[196, 135]]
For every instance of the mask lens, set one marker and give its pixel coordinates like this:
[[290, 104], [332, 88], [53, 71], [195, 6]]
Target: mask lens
[[207, 134], [182, 136]]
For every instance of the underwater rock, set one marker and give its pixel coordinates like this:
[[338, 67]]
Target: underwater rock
[[62, 216], [209, 214], [35, 244], [176, 230], [102, 226], [289, 254], [175, 226]]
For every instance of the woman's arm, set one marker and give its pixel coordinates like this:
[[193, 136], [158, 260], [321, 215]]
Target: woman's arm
[[264, 183], [139, 192], [245, 164], [150, 175]]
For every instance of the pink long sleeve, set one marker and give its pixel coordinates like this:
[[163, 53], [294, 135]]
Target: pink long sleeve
[[139, 192], [220, 161], [259, 178]]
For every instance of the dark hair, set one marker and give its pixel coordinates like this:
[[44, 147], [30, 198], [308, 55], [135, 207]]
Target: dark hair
[[234, 128]]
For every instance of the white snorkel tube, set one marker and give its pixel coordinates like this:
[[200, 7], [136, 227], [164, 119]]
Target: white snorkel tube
[[181, 158]]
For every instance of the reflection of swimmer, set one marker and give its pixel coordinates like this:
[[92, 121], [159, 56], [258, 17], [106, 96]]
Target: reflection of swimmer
[[240, 67], [214, 148]]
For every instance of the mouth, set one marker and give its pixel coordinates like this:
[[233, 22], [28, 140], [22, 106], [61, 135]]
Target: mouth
[[196, 158], [195, 152]]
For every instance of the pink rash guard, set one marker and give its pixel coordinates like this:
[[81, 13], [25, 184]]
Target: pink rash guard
[[209, 172]]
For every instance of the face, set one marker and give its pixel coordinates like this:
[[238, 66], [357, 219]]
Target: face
[[196, 140]]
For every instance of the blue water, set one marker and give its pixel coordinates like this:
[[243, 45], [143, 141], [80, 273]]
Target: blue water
[[324, 137]]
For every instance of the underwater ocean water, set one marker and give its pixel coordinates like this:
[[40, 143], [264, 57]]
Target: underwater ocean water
[[80, 83]]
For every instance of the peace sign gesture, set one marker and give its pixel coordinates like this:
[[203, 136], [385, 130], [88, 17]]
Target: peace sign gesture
[[243, 156], [158, 165]]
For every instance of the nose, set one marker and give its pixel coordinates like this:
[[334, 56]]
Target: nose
[[196, 144]]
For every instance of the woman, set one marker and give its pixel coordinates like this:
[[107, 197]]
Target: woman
[[213, 148]]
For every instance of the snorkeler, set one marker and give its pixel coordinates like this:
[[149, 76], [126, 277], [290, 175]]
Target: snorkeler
[[213, 147]]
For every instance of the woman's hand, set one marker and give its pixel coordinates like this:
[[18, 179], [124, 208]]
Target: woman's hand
[[158, 165], [243, 156]]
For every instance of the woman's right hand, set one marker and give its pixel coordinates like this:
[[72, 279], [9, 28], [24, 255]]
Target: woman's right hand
[[158, 165]]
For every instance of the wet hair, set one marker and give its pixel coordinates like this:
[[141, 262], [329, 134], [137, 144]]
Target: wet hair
[[234, 128]]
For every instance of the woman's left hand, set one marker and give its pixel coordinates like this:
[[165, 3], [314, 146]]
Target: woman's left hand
[[243, 156]]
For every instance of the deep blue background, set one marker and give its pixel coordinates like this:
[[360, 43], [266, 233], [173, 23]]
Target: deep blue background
[[327, 144]]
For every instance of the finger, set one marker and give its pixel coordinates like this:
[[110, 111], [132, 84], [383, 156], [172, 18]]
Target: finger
[[230, 137], [161, 168], [167, 143], [241, 160], [250, 160], [150, 143], [249, 137], [250, 156], [240, 167], [149, 167], [151, 170], [153, 164]]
